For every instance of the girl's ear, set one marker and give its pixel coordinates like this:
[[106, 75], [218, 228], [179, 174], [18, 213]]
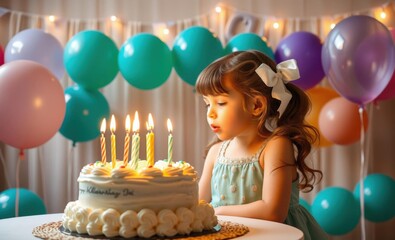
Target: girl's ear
[[258, 105]]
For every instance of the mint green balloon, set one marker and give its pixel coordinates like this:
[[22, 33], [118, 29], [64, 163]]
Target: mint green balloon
[[336, 210], [29, 203], [85, 109], [248, 41], [193, 50], [90, 59], [145, 61], [379, 196]]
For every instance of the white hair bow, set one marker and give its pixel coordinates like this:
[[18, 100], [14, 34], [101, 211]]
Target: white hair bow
[[286, 71]]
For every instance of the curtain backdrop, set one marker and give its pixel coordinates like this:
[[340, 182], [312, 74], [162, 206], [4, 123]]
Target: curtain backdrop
[[51, 170]]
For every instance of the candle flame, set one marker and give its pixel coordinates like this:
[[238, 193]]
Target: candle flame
[[112, 124], [150, 124], [169, 126], [127, 124], [103, 126], [136, 122]]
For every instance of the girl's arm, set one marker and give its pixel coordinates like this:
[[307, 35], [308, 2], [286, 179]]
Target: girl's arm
[[205, 179], [277, 184]]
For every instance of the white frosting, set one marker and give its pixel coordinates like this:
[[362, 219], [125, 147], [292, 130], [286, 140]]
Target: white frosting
[[160, 200], [145, 223]]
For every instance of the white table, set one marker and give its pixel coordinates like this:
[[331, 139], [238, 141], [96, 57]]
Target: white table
[[21, 227]]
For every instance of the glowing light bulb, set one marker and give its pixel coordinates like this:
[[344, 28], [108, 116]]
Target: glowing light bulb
[[113, 18], [166, 31], [51, 18], [276, 25], [218, 9], [332, 26], [383, 15]]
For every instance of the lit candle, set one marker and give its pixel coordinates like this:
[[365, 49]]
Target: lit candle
[[127, 140], [169, 142], [113, 149], [103, 141], [135, 141], [150, 141]]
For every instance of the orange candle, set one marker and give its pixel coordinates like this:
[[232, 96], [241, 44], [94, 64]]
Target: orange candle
[[103, 141], [150, 141]]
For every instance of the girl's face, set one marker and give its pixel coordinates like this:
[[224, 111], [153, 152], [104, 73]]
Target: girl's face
[[226, 114]]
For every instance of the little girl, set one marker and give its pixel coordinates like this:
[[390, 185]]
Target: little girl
[[256, 166]]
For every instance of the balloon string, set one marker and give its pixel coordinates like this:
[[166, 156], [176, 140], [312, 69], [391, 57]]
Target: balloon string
[[362, 175], [18, 164], [70, 173], [5, 172]]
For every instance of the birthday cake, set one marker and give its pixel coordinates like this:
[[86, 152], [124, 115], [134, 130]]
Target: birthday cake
[[141, 201]]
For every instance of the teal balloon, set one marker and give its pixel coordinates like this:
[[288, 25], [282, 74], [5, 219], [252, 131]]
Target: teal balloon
[[305, 204], [336, 210], [85, 110], [145, 61], [193, 50], [29, 203], [379, 197], [90, 59], [249, 41]]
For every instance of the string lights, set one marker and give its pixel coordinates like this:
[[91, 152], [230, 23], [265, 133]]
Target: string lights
[[381, 13]]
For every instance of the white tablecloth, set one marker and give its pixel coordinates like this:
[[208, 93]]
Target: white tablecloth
[[21, 227]]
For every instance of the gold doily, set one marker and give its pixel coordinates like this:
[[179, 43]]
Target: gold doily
[[228, 230]]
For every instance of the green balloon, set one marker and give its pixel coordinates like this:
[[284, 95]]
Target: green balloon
[[90, 59], [145, 61], [248, 41], [85, 110], [193, 50], [336, 210], [29, 203]]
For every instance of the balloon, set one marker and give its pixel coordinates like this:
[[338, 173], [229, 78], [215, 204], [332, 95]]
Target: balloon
[[193, 50], [29, 203], [358, 58], [336, 210], [319, 96], [90, 58], [248, 41], [305, 204], [84, 111], [37, 46], [305, 48], [1, 55], [389, 90], [32, 104], [339, 121], [145, 61], [379, 196]]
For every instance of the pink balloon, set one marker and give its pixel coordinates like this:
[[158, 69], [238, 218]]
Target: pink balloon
[[32, 104], [339, 121], [1, 55], [389, 90]]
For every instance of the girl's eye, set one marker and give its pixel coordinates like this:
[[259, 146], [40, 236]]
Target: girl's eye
[[221, 103]]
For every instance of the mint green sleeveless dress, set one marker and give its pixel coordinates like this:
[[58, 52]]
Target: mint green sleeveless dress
[[239, 181]]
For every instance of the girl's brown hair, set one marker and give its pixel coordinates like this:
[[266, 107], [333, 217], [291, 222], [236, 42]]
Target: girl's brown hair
[[240, 68]]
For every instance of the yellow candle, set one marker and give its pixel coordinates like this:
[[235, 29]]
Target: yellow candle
[[135, 141], [103, 141], [113, 148], [150, 141], [127, 140], [169, 142]]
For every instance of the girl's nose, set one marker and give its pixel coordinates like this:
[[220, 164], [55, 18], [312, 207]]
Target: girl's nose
[[211, 113]]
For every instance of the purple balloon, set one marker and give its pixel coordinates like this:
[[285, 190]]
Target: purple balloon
[[358, 58], [37, 46], [305, 48]]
